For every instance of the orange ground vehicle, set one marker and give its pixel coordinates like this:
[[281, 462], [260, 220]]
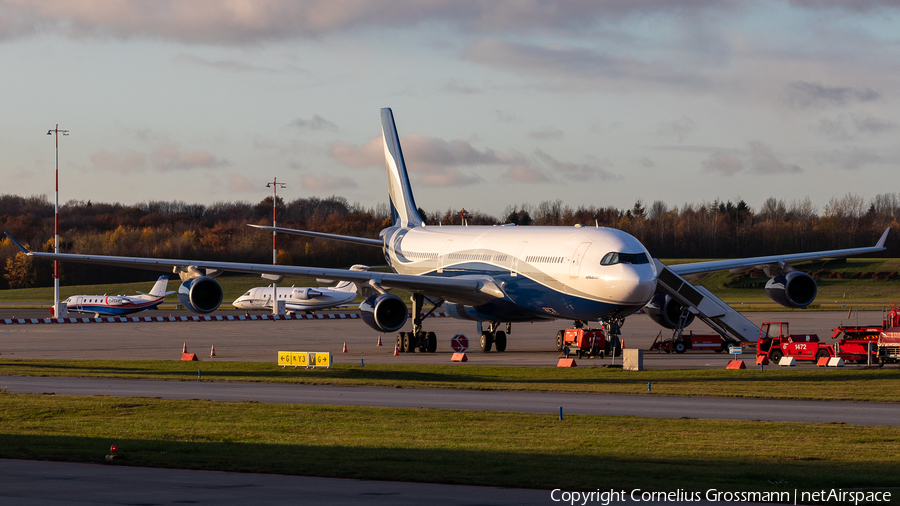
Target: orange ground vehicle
[[586, 342], [776, 341]]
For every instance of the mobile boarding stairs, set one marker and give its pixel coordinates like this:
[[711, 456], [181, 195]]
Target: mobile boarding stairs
[[727, 322]]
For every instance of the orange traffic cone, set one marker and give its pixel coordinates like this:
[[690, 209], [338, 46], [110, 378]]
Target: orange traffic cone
[[212, 351], [396, 350], [379, 340], [184, 349], [344, 350]]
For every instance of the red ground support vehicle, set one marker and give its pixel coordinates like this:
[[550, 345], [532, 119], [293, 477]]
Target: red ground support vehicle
[[889, 346], [889, 340], [690, 341], [585, 342], [775, 342], [856, 341]]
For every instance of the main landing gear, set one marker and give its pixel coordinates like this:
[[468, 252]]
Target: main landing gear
[[426, 342], [494, 337]]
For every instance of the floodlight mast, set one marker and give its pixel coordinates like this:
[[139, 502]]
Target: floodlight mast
[[275, 185], [56, 131]]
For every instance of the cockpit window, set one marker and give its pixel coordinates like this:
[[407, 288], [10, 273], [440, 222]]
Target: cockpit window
[[613, 258]]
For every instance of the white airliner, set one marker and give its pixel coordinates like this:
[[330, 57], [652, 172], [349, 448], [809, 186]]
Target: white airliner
[[301, 298], [118, 305], [497, 274]]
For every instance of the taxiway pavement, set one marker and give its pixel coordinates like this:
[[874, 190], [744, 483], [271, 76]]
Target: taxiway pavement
[[530, 344], [654, 406]]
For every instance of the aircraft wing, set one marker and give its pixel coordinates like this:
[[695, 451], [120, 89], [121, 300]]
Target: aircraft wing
[[741, 265], [345, 238], [465, 290]]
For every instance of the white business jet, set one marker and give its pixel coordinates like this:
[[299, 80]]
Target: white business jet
[[301, 298], [118, 305]]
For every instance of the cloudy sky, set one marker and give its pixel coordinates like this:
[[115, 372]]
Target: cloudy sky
[[498, 102]]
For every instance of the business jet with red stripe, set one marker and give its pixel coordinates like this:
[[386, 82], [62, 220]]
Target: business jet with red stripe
[[495, 274], [118, 305]]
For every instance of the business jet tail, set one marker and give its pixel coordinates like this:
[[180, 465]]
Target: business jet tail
[[159, 289], [404, 212]]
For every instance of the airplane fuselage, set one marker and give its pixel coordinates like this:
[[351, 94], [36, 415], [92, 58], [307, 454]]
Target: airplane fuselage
[[540, 272], [295, 299], [111, 305]]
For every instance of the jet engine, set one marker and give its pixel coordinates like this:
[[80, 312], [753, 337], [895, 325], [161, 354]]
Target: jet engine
[[306, 293], [666, 312], [201, 294], [384, 312], [793, 289]]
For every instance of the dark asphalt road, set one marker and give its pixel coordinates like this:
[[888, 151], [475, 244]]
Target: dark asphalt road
[[858, 413]]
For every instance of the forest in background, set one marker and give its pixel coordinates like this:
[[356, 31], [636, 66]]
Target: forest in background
[[218, 231]]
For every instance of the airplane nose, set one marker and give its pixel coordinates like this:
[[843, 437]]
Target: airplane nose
[[638, 284]]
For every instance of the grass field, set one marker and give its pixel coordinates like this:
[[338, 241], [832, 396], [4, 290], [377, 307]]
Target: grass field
[[443, 446], [776, 383]]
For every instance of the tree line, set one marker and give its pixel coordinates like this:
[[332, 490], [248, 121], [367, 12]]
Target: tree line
[[717, 229]]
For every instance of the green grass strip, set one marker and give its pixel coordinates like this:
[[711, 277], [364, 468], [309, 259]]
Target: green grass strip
[[849, 384], [445, 446]]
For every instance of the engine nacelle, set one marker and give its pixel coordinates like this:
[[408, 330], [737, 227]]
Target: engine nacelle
[[666, 312], [384, 312], [200, 295], [793, 289], [306, 293]]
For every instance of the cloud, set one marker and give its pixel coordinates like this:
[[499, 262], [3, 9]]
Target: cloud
[[242, 21], [847, 127], [436, 162], [418, 151], [853, 159], [679, 128], [528, 175], [574, 67], [170, 157], [455, 87], [164, 159], [805, 95], [224, 65], [577, 171], [126, 161], [507, 117], [763, 161], [317, 123], [722, 163], [240, 184], [326, 183], [646, 163], [547, 134], [432, 162]]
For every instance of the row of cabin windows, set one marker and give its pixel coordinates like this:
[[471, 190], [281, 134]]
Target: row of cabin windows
[[456, 256], [610, 258]]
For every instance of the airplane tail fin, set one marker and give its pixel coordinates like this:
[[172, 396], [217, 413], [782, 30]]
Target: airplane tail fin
[[159, 289], [350, 286], [404, 212]]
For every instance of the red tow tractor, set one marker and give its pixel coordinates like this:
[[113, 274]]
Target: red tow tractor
[[775, 341]]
